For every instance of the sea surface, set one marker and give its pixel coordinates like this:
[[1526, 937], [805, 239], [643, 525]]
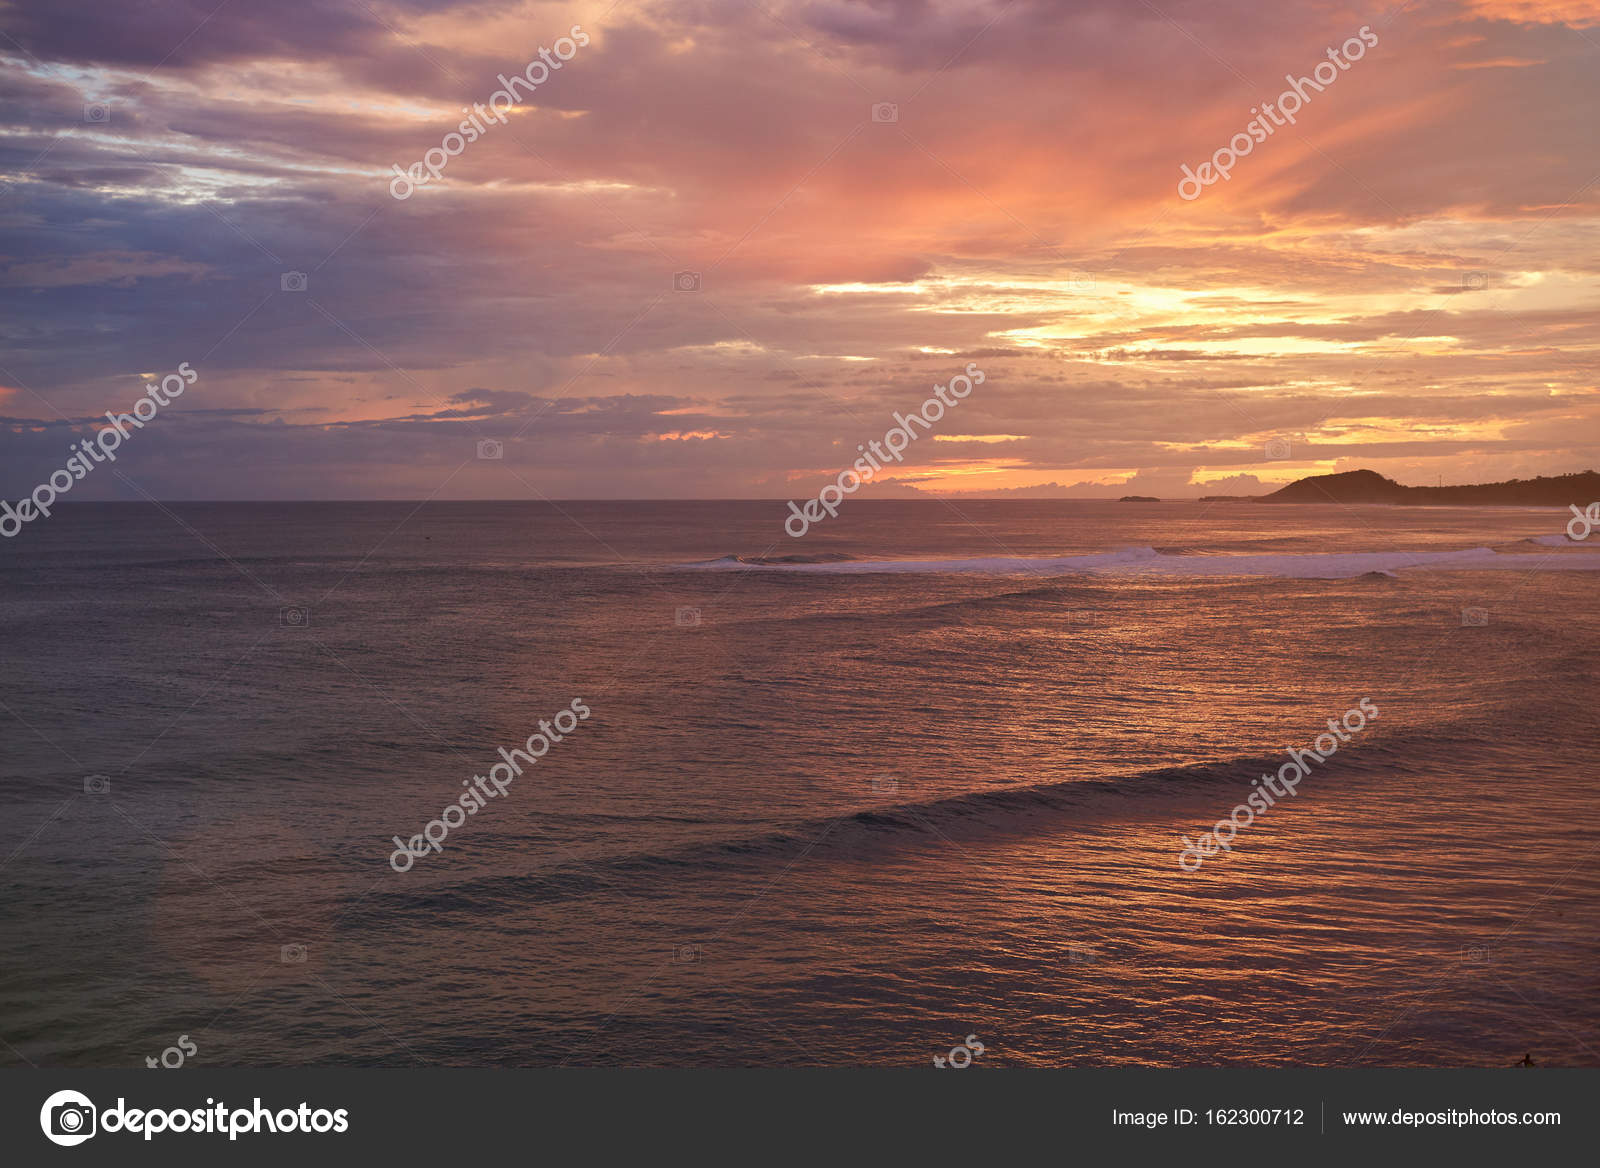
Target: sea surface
[[848, 799]]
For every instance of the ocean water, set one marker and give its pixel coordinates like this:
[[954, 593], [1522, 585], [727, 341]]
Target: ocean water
[[925, 773]]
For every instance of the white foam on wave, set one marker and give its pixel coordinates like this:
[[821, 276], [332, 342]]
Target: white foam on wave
[[1146, 561]]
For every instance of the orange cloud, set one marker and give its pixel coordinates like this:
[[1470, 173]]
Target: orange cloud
[[1576, 13]]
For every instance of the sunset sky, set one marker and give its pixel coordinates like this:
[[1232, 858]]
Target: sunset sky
[[1407, 279]]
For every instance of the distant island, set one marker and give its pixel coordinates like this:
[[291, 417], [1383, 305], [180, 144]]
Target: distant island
[[1138, 499], [1368, 486]]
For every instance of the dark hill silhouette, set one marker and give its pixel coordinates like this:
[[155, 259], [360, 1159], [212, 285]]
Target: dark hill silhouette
[[1368, 486]]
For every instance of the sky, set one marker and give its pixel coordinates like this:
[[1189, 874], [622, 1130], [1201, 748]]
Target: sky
[[713, 246]]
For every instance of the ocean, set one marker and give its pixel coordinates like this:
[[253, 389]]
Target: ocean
[[927, 773]]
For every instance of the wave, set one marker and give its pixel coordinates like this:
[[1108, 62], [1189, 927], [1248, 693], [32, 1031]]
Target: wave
[[1002, 809], [1561, 541], [769, 561], [1150, 561]]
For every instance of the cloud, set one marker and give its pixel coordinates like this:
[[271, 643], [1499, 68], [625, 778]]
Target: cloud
[[1408, 275]]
